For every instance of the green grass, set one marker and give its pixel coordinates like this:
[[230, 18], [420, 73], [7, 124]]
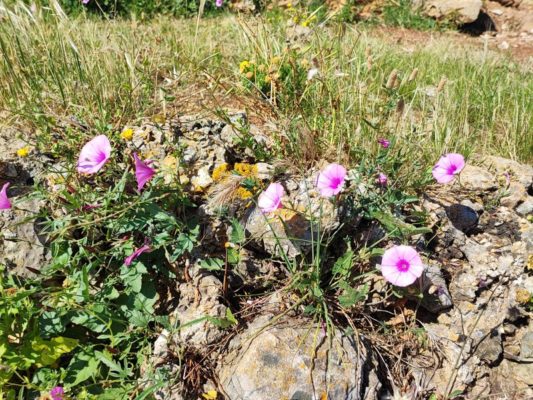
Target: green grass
[[109, 73]]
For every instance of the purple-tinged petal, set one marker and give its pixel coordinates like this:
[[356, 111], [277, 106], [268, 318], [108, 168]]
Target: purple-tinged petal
[[136, 254], [94, 155], [143, 172], [5, 204], [270, 199]]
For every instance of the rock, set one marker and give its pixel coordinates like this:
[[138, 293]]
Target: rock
[[293, 360], [461, 11], [477, 179], [490, 348], [436, 296], [526, 208], [526, 345], [517, 194], [253, 271], [462, 217], [22, 246], [522, 173], [199, 298]]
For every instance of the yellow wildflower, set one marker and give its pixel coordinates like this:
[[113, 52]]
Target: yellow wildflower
[[522, 296], [23, 151], [220, 172], [245, 169], [244, 65], [127, 134], [276, 60], [210, 395], [243, 193]]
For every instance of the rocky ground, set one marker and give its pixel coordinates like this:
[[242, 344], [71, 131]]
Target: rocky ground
[[474, 318]]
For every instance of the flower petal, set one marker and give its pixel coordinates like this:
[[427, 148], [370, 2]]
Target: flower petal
[[5, 204], [94, 155]]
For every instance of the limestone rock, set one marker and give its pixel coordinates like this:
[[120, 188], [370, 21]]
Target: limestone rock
[[293, 360], [526, 345], [199, 299], [436, 296], [477, 179], [522, 173], [460, 11], [22, 245]]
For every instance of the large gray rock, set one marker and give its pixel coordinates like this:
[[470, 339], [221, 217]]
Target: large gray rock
[[477, 179], [460, 11], [296, 361]]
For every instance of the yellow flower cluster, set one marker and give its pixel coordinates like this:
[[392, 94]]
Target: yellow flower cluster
[[246, 170], [127, 134], [243, 193], [244, 65], [220, 172], [23, 151]]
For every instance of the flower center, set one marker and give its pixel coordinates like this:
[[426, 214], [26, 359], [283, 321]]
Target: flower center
[[402, 265], [335, 182], [452, 169]]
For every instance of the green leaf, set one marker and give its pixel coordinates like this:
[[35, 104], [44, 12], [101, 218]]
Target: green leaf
[[51, 350], [83, 366], [212, 264], [238, 235], [351, 296], [396, 227], [455, 393], [233, 256], [226, 322], [343, 265]]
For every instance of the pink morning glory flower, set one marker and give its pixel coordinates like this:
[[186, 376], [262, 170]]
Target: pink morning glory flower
[[143, 172], [219, 3], [94, 155], [447, 167], [5, 204], [270, 199], [85, 1], [382, 179], [331, 180], [136, 254], [57, 393], [384, 143], [401, 265]]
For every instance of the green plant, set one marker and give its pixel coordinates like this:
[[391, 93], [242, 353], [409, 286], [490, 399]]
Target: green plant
[[401, 13]]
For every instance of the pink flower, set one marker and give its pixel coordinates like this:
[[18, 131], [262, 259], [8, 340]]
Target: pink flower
[[382, 179], [5, 204], [448, 166], [85, 1], [143, 172], [401, 265], [384, 143], [331, 180], [219, 3], [270, 199], [94, 155], [57, 393], [136, 254]]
